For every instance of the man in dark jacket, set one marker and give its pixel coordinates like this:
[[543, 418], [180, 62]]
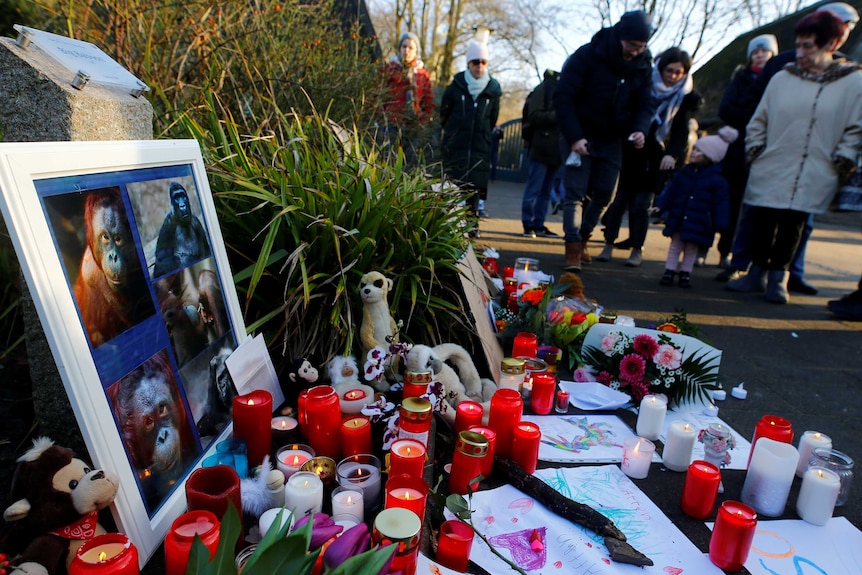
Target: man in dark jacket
[[602, 99], [544, 154]]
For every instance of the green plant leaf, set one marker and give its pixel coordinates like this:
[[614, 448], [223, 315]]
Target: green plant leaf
[[368, 563], [459, 506], [223, 562]]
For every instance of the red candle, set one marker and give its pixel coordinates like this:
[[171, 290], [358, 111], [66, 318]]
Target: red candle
[[505, 414], [403, 528], [178, 542], [732, 535], [301, 418], [111, 553], [488, 460], [508, 272], [470, 449], [542, 395], [407, 457], [773, 427], [526, 344], [323, 412], [525, 446], [407, 492], [415, 420], [453, 547], [562, 401], [416, 383], [700, 489], [252, 416], [467, 413], [356, 435]]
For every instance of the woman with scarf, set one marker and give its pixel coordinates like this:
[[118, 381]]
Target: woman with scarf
[[468, 114], [409, 100], [643, 170]]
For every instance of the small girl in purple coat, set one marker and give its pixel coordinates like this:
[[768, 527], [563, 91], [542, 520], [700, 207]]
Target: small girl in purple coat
[[697, 204]]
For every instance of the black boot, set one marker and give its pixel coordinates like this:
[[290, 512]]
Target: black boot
[[667, 278], [684, 280]]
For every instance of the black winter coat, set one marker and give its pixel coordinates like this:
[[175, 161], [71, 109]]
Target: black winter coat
[[697, 203], [601, 96], [467, 127], [735, 110], [545, 146]]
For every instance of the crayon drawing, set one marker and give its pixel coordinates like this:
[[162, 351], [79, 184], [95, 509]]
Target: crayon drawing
[[582, 438]]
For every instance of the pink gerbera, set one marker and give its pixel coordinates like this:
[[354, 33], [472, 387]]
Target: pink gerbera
[[604, 377], [632, 368], [645, 345], [668, 357], [639, 390]]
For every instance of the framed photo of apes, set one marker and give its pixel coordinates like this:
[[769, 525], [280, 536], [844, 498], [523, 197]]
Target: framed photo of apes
[[122, 252]]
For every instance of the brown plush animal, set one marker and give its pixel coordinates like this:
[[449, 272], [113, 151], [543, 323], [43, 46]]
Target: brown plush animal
[[378, 329], [56, 498]]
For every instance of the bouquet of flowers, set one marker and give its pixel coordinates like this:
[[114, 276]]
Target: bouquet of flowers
[[649, 364]]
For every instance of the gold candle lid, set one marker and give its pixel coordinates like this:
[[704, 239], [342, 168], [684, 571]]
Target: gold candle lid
[[400, 526], [418, 377], [472, 444], [416, 408], [513, 366]]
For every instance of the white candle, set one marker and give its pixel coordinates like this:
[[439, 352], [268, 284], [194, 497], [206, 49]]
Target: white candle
[[288, 460], [347, 500], [817, 495], [303, 493], [637, 456], [267, 519], [363, 475], [810, 441], [354, 397], [770, 475], [679, 445], [651, 415]]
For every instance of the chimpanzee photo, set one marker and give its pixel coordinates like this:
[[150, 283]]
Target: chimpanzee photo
[[182, 240]]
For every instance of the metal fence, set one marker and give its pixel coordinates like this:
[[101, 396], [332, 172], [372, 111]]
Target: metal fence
[[511, 154]]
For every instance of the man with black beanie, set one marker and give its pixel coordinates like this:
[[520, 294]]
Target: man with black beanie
[[603, 102]]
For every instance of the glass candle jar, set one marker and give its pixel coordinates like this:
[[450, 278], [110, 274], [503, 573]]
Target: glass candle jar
[[403, 528], [323, 414], [838, 462], [416, 383], [415, 420], [512, 372], [732, 535], [184, 529], [505, 413], [526, 344], [470, 449], [467, 414], [488, 460], [108, 553], [542, 396]]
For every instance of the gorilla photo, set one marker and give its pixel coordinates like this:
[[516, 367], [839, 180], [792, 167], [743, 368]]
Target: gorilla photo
[[182, 240]]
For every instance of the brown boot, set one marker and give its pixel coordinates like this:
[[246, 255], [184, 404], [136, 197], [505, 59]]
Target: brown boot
[[585, 255], [572, 263]]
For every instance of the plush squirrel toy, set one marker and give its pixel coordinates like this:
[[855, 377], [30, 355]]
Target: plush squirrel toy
[[377, 323], [56, 499]]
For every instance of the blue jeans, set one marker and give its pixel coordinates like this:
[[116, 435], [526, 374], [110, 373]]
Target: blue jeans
[[742, 245], [592, 183], [537, 194]]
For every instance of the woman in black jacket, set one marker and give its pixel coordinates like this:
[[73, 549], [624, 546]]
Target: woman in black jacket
[[468, 114]]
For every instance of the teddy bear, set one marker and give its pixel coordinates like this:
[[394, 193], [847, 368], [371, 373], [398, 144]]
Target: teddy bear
[[343, 372], [461, 385], [56, 499], [378, 329]]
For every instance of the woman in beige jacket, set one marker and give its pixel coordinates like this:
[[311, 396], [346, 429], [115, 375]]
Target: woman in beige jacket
[[802, 140]]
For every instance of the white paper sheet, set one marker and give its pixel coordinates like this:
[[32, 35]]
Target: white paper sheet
[[738, 455], [425, 566], [794, 547], [251, 368], [582, 438], [508, 517]]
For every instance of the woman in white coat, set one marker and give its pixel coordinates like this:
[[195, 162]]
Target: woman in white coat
[[802, 142]]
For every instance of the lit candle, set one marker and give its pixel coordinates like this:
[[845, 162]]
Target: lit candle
[[467, 413], [810, 441], [356, 435], [770, 475], [407, 492], [505, 414], [354, 397], [454, 544], [487, 464], [470, 450], [322, 466], [732, 535], [303, 493], [512, 372], [562, 405], [178, 542], [700, 489], [407, 457], [362, 470], [290, 458], [284, 430], [109, 553], [415, 419], [651, 414], [542, 395], [680, 443], [250, 414], [773, 427], [323, 414], [347, 500], [526, 344], [525, 446], [637, 456], [818, 495]]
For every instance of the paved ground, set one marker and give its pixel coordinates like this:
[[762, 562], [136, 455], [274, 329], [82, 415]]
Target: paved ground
[[796, 360]]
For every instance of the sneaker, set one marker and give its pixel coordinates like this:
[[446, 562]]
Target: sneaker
[[482, 213], [846, 308], [529, 232], [667, 278], [636, 259], [684, 280], [728, 275], [544, 232], [606, 254], [799, 285]]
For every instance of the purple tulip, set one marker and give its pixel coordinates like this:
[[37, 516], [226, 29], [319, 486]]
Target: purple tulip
[[352, 542], [323, 528]]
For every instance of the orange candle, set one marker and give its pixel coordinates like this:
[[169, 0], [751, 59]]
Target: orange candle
[[356, 435]]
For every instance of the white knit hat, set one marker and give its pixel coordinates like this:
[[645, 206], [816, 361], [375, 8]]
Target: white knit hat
[[766, 42], [715, 147], [477, 51]]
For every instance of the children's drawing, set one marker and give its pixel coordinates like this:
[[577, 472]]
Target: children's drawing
[[582, 438], [520, 544]]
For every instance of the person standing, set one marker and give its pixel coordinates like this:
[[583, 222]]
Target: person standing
[[409, 103], [803, 140], [468, 114], [602, 100], [544, 152], [644, 170]]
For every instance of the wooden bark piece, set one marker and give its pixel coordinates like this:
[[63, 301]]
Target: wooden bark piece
[[575, 512]]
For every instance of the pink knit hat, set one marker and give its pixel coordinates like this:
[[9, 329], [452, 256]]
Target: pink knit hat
[[715, 147]]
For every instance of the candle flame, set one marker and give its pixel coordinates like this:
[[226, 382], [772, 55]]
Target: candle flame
[[359, 472], [637, 447], [296, 460], [306, 483], [102, 556], [251, 402], [686, 427], [407, 495], [820, 473], [817, 436], [408, 451], [283, 424], [349, 500]]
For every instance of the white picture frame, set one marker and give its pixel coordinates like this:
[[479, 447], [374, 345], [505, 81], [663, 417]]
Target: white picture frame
[[54, 197]]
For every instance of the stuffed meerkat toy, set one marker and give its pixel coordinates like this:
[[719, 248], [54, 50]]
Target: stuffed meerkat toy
[[378, 328]]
